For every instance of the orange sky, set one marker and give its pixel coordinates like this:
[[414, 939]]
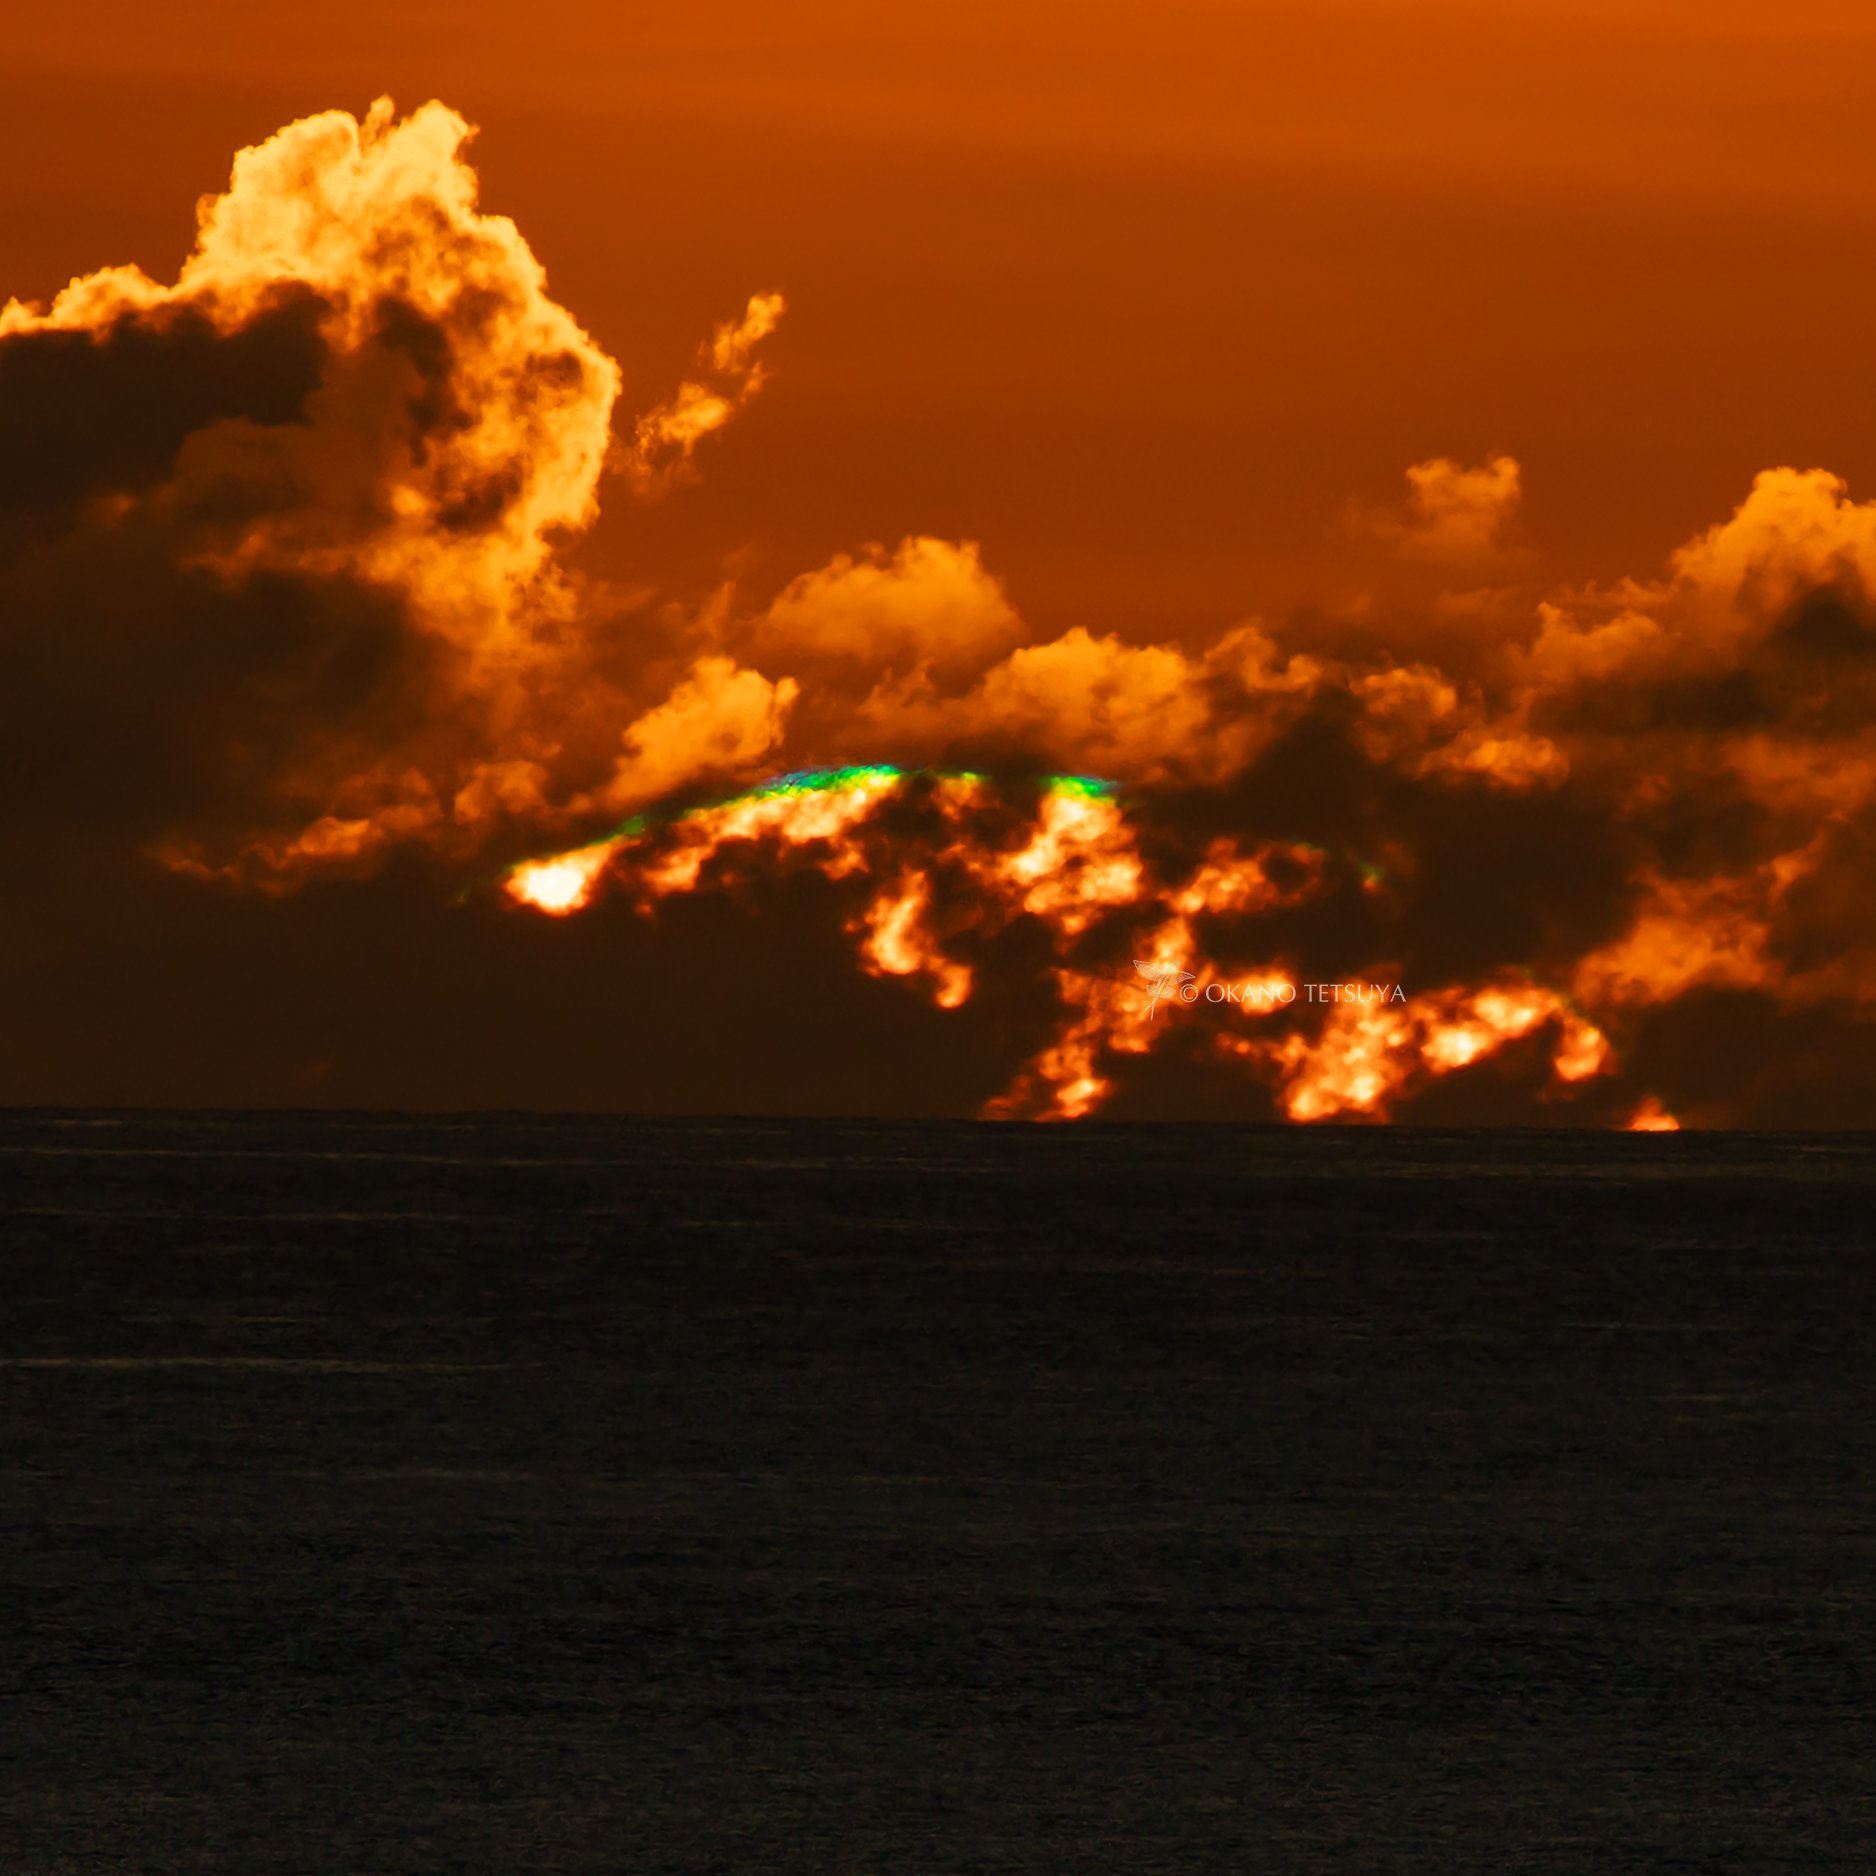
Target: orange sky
[[1136, 296], [1395, 449]]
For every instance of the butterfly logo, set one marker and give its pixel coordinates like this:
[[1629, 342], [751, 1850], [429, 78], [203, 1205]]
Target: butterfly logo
[[1166, 980]]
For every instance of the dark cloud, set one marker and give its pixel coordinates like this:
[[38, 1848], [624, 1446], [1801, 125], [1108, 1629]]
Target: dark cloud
[[1742, 1058], [149, 989], [87, 413], [142, 692]]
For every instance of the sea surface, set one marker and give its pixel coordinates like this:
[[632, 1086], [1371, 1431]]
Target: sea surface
[[483, 1494]]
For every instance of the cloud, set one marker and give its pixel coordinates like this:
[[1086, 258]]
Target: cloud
[[1454, 517], [721, 719], [292, 658], [665, 438], [280, 542], [927, 609]]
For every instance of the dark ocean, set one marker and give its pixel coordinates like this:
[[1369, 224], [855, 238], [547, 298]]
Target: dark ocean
[[537, 1495]]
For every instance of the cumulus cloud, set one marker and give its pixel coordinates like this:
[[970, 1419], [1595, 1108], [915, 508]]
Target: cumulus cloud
[[926, 610], [289, 644], [1453, 516], [720, 720], [309, 501]]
